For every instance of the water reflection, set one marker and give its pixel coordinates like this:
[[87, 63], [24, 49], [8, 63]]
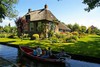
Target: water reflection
[[9, 53], [24, 61], [77, 63]]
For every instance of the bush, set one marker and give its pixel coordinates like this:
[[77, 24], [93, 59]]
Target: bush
[[81, 35], [62, 40], [60, 35], [98, 33], [54, 39], [11, 36], [2, 35], [16, 37], [25, 35], [75, 33], [46, 41], [75, 37], [50, 33], [35, 36], [71, 40], [42, 36], [68, 34]]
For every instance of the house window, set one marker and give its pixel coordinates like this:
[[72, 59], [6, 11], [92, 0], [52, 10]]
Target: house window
[[31, 26], [51, 26], [27, 17], [60, 30]]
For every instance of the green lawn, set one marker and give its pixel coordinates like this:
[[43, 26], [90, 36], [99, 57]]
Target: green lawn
[[88, 46]]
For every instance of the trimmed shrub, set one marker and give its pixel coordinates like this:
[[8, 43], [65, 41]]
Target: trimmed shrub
[[35, 36], [60, 35], [54, 39], [25, 35], [68, 34], [50, 33], [81, 35], [74, 37], [57, 35], [71, 40], [42, 36], [75, 33], [62, 40], [46, 41], [16, 37]]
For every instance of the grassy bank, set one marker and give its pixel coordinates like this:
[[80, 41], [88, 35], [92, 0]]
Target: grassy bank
[[88, 46]]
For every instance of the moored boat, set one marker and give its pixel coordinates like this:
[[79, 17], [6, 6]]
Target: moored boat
[[28, 52]]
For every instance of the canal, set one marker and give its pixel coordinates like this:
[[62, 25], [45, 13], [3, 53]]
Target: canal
[[11, 54]]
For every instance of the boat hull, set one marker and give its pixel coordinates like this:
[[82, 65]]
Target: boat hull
[[27, 52]]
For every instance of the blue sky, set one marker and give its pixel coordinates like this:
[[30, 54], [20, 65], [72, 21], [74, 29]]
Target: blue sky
[[67, 11]]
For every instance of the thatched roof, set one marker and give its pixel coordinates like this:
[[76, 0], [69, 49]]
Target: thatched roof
[[42, 14], [63, 27]]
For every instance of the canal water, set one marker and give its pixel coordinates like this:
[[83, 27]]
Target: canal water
[[11, 54]]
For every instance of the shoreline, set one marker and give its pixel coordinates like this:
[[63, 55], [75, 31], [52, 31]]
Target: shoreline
[[73, 56]]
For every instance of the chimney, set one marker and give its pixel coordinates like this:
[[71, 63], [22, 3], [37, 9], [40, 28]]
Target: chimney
[[29, 10], [46, 6]]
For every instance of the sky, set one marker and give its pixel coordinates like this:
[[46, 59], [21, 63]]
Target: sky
[[67, 11]]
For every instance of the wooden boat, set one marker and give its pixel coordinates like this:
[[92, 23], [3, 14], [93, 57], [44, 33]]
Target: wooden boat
[[26, 51]]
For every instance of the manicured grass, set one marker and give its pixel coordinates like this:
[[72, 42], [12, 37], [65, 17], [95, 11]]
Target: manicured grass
[[88, 46]]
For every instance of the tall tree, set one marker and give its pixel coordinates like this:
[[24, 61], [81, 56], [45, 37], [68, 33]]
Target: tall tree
[[89, 30], [91, 4], [7, 9], [7, 29], [70, 26], [21, 24], [76, 27], [83, 29], [1, 29], [14, 30], [94, 29]]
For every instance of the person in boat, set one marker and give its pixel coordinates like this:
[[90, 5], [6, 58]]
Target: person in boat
[[49, 52], [61, 54], [44, 54], [39, 51], [35, 52]]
